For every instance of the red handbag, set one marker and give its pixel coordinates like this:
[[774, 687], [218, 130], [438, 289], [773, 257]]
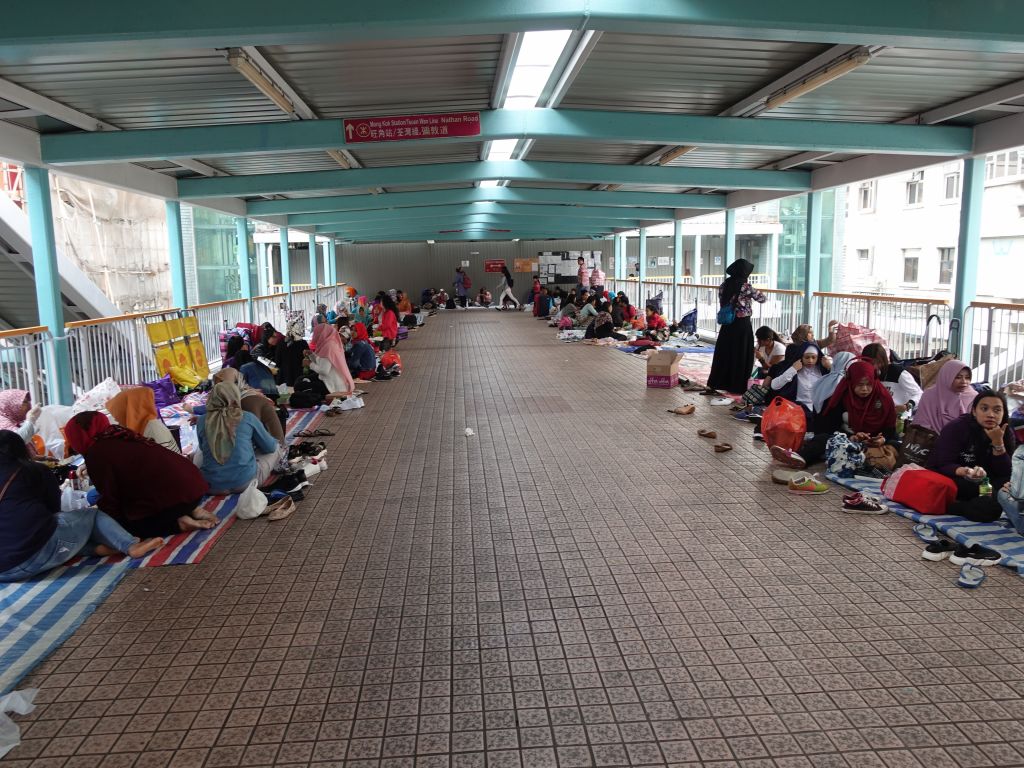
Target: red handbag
[[784, 424], [920, 489]]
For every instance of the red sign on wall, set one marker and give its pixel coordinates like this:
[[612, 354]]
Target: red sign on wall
[[493, 265], [360, 130]]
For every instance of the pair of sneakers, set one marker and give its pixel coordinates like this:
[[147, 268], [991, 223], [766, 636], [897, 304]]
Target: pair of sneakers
[[959, 554]]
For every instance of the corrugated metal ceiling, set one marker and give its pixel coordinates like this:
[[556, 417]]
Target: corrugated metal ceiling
[[901, 82], [397, 153], [392, 77], [679, 74], [166, 89], [589, 152]]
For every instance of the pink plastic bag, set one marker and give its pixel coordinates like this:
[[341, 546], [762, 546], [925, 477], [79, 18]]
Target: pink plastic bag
[[851, 337], [565, 324]]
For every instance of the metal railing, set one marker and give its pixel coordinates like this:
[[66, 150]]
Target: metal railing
[[912, 326], [997, 342], [271, 309], [215, 317], [25, 358], [113, 347]]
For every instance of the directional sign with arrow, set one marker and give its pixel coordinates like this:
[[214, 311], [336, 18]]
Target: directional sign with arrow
[[361, 130]]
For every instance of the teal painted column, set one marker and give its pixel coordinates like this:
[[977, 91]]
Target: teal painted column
[[642, 272], [244, 275], [621, 257], [176, 255], [677, 252], [961, 340], [730, 237], [314, 276], [332, 262], [812, 255], [47, 280], [286, 263]]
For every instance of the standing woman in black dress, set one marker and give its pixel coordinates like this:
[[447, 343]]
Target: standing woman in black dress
[[734, 351]]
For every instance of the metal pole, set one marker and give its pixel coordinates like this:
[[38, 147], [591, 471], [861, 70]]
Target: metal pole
[[967, 256], [244, 275], [176, 254], [812, 252], [286, 264]]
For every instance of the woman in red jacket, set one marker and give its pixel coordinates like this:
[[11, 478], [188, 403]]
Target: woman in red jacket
[[388, 322]]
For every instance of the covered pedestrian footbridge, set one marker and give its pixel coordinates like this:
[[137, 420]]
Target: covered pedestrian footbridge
[[615, 119]]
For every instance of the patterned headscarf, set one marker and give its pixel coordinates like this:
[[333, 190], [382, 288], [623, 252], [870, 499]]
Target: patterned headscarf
[[223, 415], [12, 402], [296, 328]]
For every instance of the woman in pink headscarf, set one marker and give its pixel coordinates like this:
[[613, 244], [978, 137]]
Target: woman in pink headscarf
[[17, 413], [329, 362], [949, 399]]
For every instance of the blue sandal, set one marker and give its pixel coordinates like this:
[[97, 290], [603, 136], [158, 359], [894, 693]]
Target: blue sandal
[[971, 576], [926, 533]]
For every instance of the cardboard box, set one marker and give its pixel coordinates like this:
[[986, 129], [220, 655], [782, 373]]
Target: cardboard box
[[663, 370]]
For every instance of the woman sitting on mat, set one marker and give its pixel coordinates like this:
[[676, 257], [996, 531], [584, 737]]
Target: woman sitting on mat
[[135, 409], [17, 414], [770, 349], [403, 304], [860, 406], [587, 312], [146, 488], [256, 374], [253, 401], [902, 385], [329, 363], [603, 327], [795, 377], [234, 447], [359, 354], [972, 447], [35, 535], [236, 343], [825, 386], [950, 398]]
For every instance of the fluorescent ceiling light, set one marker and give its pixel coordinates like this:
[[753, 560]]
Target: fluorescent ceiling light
[[515, 239], [489, 183], [816, 81], [430, 242], [251, 72]]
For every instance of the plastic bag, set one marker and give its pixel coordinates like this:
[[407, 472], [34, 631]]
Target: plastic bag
[[96, 398], [851, 337], [251, 503], [843, 457], [390, 359], [184, 377], [163, 391], [784, 424], [21, 703]]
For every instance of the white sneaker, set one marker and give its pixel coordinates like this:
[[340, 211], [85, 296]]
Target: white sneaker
[[351, 404]]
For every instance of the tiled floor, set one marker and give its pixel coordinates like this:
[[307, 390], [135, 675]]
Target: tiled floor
[[581, 583]]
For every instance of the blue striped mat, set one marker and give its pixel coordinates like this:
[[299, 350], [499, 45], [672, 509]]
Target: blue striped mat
[[38, 615], [998, 536]]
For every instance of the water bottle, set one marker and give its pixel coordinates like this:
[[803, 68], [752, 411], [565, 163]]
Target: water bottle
[[985, 489]]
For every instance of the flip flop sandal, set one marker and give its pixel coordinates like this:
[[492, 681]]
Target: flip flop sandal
[[723, 447], [971, 576], [305, 433], [279, 510], [707, 433], [926, 533], [722, 401], [322, 433], [683, 410]]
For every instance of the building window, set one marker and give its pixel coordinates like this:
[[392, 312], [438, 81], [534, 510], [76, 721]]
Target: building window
[[866, 196], [947, 263], [911, 257], [951, 186], [915, 188], [863, 254], [1004, 165]]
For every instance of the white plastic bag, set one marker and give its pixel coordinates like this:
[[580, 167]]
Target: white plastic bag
[[71, 499], [96, 398], [251, 503], [21, 703], [51, 421]]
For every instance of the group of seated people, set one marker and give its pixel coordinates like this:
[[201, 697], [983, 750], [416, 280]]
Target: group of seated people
[[601, 315], [142, 487], [874, 399]]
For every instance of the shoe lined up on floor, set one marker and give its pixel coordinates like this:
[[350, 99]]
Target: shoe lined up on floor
[[974, 555], [804, 483], [864, 505]]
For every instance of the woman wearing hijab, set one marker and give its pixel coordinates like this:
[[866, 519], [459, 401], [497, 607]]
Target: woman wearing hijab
[[329, 362], [359, 354], [235, 448], [734, 350], [253, 401], [900, 382], [17, 413], [388, 323], [135, 409], [293, 350], [826, 386], [860, 406], [949, 399], [146, 488], [35, 535], [235, 345]]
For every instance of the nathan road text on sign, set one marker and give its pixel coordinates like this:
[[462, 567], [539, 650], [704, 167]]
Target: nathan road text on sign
[[359, 130]]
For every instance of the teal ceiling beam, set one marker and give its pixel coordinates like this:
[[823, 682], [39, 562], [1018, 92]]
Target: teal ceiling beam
[[513, 170], [449, 222], [468, 236], [71, 24], [537, 124], [562, 212], [581, 197]]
